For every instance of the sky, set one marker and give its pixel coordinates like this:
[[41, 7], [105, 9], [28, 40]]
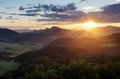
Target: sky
[[39, 14]]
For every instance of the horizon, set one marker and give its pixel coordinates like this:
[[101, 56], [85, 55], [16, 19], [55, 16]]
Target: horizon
[[27, 30]]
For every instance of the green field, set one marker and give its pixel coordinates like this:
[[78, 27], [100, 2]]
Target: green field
[[6, 66], [18, 48], [14, 49]]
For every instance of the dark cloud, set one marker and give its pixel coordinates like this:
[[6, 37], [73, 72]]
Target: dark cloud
[[48, 19], [11, 18], [71, 6], [0, 17], [27, 14], [53, 12], [56, 16], [68, 7], [104, 18], [113, 9], [21, 8], [110, 13], [68, 16], [32, 11], [21, 14], [67, 13], [49, 8]]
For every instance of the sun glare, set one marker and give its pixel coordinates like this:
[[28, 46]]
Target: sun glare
[[90, 24]]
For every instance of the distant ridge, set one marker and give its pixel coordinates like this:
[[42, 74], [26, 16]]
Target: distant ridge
[[107, 30], [7, 34], [47, 35]]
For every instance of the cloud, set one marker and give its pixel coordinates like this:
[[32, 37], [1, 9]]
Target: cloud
[[109, 14], [48, 8], [56, 23], [113, 9], [27, 14], [44, 12], [11, 18], [68, 16], [88, 8], [118, 0], [53, 12], [5, 13], [0, 17], [21, 8], [56, 16], [67, 13]]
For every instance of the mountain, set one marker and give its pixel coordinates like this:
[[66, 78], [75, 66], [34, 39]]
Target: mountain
[[45, 36], [49, 55], [64, 50], [51, 30], [7, 34], [85, 43], [114, 38], [22, 30], [107, 30], [65, 47], [42, 36]]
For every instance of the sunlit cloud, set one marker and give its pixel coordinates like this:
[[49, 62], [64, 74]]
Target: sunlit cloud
[[88, 8], [118, 0]]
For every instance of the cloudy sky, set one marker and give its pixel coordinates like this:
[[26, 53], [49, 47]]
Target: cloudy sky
[[37, 14]]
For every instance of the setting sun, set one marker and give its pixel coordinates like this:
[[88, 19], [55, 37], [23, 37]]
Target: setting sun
[[89, 24]]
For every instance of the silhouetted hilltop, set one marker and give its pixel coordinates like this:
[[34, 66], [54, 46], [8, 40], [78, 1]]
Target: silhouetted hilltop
[[107, 30], [43, 36], [7, 34], [51, 30]]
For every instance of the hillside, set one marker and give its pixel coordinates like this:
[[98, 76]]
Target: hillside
[[42, 36], [85, 43], [50, 55], [7, 35], [107, 30], [64, 50], [45, 36]]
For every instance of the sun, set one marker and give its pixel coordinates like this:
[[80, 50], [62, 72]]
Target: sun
[[89, 24]]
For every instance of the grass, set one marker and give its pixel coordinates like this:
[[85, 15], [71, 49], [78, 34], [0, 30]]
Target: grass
[[6, 66], [16, 48]]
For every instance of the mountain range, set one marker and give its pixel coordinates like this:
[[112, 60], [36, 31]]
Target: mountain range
[[47, 35], [56, 46]]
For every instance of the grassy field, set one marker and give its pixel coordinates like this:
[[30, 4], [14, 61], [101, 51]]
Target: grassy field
[[7, 66], [16, 48]]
